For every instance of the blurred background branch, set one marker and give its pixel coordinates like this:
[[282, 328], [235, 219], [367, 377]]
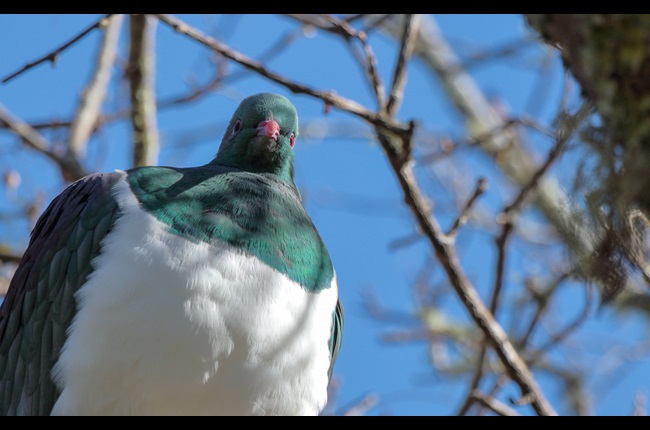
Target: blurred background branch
[[141, 72], [90, 102]]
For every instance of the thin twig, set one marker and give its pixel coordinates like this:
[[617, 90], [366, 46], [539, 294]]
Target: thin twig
[[478, 373], [52, 56], [570, 328], [404, 241], [527, 189], [501, 242], [220, 77], [374, 21], [482, 118], [349, 34], [411, 25], [38, 125], [375, 80], [10, 258], [353, 17], [328, 97], [143, 94], [497, 384], [193, 94], [370, 67], [564, 133], [366, 403], [326, 23], [493, 404], [481, 187], [526, 399], [543, 299], [484, 137], [342, 27], [476, 380], [89, 109], [70, 167], [508, 49], [370, 63], [506, 217]]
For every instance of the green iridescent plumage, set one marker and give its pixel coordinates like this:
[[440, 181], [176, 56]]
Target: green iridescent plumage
[[257, 213]]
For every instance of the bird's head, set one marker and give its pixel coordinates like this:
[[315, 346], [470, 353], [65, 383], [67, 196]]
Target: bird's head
[[261, 135]]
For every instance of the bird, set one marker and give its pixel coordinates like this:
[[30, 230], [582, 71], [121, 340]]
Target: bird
[[177, 291]]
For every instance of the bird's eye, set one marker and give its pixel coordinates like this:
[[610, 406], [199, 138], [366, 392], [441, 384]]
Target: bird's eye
[[236, 127], [292, 140]]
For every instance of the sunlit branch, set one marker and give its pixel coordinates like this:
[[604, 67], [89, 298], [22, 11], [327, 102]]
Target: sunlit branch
[[140, 71], [70, 167], [407, 42], [89, 110]]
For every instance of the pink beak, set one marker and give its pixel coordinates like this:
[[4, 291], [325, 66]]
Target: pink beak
[[269, 128]]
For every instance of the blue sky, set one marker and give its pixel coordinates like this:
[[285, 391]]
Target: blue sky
[[346, 182]]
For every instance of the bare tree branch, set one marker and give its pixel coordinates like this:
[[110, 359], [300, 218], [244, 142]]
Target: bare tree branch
[[565, 131], [70, 167], [570, 328], [501, 242], [494, 405], [446, 255], [506, 216], [504, 51], [54, 55], [193, 94], [328, 97], [481, 187], [476, 379], [143, 99], [89, 108], [542, 299], [483, 120], [411, 25], [343, 29]]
